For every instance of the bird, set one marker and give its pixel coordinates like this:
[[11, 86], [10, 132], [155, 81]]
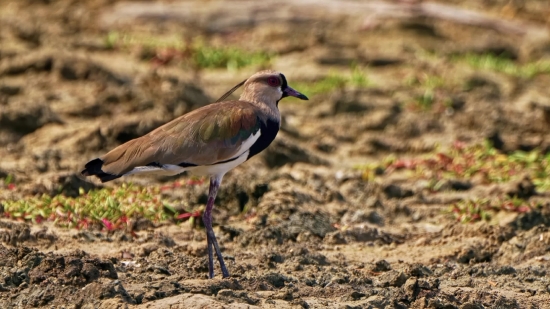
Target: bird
[[208, 141]]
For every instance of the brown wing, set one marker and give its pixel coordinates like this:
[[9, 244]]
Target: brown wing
[[204, 136]]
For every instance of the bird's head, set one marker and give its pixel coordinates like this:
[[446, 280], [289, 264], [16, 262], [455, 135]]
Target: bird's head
[[266, 86]]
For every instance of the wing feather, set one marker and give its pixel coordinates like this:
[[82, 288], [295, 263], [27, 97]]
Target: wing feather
[[205, 136]]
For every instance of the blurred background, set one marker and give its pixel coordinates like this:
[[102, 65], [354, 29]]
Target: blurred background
[[422, 115], [78, 78]]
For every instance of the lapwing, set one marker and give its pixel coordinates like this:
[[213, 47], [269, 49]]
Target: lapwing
[[208, 141]]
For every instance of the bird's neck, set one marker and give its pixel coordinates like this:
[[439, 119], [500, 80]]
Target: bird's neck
[[267, 105]]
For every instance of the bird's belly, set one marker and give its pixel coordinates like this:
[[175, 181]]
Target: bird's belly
[[217, 169]]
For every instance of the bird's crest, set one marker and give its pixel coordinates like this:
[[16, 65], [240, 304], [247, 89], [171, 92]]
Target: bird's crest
[[223, 97]]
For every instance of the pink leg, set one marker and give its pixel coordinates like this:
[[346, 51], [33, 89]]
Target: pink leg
[[215, 182]]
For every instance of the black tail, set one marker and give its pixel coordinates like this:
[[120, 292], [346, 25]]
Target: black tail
[[93, 168]]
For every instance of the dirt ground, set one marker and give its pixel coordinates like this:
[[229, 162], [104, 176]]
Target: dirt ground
[[300, 225]]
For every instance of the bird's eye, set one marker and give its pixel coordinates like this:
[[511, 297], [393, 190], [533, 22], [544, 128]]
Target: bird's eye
[[273, 81]]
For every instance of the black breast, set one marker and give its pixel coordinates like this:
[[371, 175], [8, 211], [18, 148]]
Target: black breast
[[269, 130]]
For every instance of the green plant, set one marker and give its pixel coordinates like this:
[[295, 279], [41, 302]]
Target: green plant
[[470, 211], [8, 180], [482, 160], [108, 209], [333, 81], [483, 209], [198, 54], [432, 88], [505, 65], [232, 58]]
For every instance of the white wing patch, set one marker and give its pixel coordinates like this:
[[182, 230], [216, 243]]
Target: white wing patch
[[247, 143], [218, 169], [222, 168], [166, 169], [204, 170]]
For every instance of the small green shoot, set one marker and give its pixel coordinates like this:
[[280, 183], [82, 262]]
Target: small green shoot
[[505, 65], [333, 81], [358, 77], [432, 88], [111, 40], [8, 180]]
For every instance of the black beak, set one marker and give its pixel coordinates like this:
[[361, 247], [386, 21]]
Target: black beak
[[289, 92]]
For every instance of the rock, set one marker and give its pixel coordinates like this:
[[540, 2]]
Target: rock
[[528, 220], [90, 272], [113, 303], [357, 295], [455, 185], [227, 295], [486, 83], [475, 254], [506, 270], [361, 216], [395, 191], [522, 189], [472, 305], [317, 224], [392, 278], [381, 265], [335, 238], [16, 234], [106, 268], [419, 270], [146, 249], [349, 102], [428, 284], [70, 185], [377, 301], [361, 234], [26, 117], [73, 267], [141, 224], [29, 62], [10, 90], [276, 280], [496, 140], [440, 303], [74, 68]]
